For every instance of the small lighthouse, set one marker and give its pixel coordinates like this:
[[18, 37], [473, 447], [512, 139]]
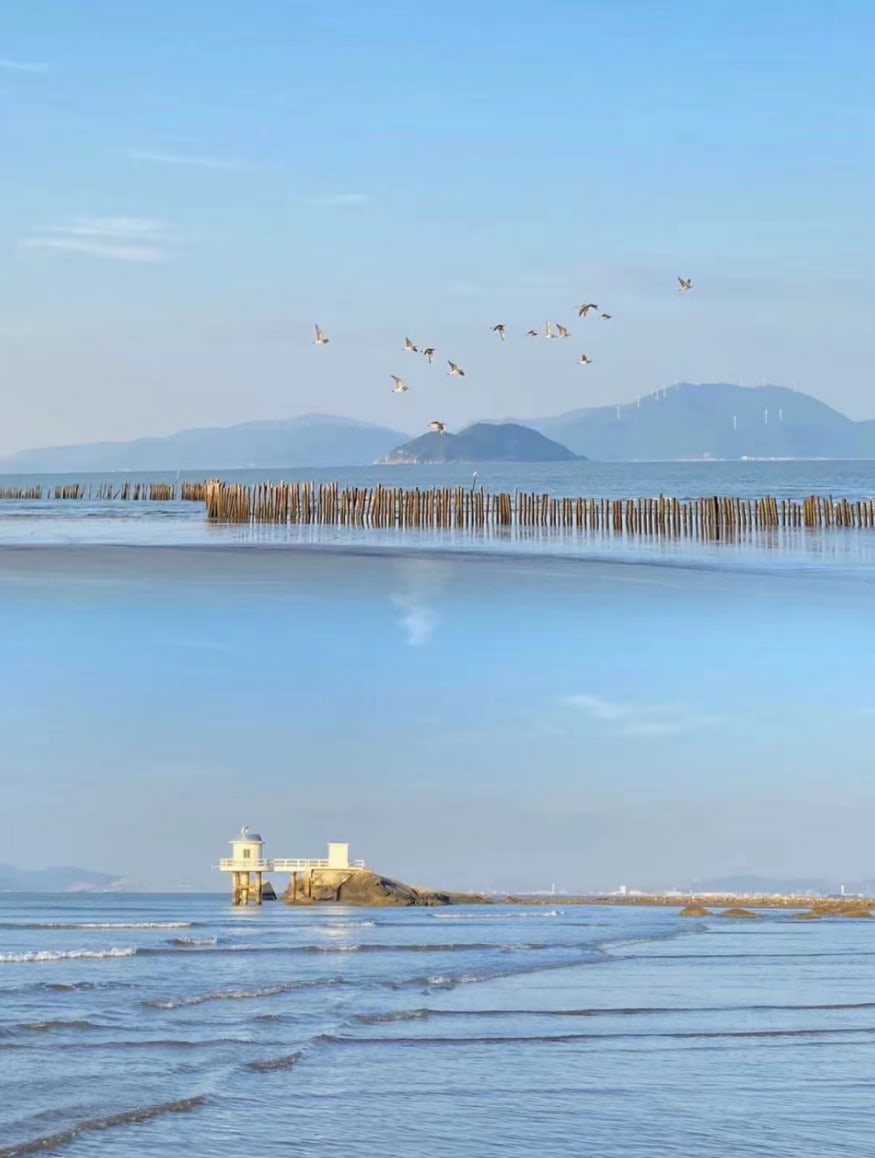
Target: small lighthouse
[[247, 865]]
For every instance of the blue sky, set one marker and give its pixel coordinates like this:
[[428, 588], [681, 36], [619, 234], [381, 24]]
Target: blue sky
[[186, 188], [503, 723]]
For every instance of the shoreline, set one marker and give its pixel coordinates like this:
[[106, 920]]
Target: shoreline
[[703, 900]]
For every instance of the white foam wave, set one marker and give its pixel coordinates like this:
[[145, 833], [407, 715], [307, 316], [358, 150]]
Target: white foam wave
[[64, 955]]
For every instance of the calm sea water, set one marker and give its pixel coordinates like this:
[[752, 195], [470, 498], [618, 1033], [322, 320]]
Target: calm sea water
[[134, 1025]]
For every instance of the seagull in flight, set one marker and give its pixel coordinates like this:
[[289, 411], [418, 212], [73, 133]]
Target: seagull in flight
[[583, 310], [531, 333], [605, 317], [499, 329], [408, 345], [455, 371], [561, 331], [320, 339], [686, 283], [583, 360], [400, 386], [429, 352], [548, 330], [437, 427]]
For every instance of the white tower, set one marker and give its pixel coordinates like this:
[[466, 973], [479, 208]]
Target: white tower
[[247, 865]]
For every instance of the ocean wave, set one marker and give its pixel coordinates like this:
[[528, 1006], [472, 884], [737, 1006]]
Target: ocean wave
[[208, 945], [97, 924], [398, 1015], [63, 955], [92, 1125], [57, 1023], [573, 1038], [275, 1063], [238, 994]]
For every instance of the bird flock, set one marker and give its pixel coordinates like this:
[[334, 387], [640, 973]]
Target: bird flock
[[551, 330]]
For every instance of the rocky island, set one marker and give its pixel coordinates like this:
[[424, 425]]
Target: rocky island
[[482, 442], [364, 887]]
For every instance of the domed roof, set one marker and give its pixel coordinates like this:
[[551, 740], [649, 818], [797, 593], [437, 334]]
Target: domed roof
[[245, 834]]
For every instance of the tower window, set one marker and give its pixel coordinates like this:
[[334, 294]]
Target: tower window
[[247, 852]]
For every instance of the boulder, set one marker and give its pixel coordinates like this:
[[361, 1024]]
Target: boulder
[[741, 914], [695, 911]]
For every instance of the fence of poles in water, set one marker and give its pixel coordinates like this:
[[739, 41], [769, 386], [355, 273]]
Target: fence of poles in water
[[472, 508], [156, 492]]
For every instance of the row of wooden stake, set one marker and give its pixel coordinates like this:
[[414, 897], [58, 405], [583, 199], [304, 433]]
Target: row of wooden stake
[[475, 509]]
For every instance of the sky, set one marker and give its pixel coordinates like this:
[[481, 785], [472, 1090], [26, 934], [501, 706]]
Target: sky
[[462, 723], [188, 187]]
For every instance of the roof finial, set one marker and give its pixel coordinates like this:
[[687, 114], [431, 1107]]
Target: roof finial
[[244, 830]]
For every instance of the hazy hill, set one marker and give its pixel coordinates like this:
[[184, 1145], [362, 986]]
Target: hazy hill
[[312, 440], [713, 420], [482, 442], [65, 879]]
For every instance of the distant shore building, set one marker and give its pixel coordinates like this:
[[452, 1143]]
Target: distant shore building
[[247, 865]]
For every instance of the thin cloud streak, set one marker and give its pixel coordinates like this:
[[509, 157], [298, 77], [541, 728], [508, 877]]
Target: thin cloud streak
[[129, 239], [229, 164], [132, 253], [22, 65], [641, 719]]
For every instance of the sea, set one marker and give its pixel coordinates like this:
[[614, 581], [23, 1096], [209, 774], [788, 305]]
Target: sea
[[135, 1025]]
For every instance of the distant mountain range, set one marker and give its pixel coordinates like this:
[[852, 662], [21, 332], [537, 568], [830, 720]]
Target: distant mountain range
[[715, 420], [313, 440], [482, 442], [65, 879]]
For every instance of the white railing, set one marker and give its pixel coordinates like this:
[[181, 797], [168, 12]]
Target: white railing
[[299, 864], [283, 865]]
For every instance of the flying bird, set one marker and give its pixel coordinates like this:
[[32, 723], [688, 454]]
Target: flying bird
[[499, 329], [454, 370], [561, 331], [531, 333], [686, 283], [437, 427], [429, 352], [320, 339], [583, 310], [605, 317], [548, 330], [400, 385], [583, 360]]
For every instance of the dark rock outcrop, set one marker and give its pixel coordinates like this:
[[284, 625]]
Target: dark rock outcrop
[[363, 887], [741, 914], [695, 911]]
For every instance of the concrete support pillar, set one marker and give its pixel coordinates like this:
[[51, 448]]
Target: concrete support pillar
[[259, 887]]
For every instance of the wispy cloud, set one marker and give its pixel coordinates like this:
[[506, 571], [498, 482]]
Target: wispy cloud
[[22, 65], [230, 164], [632, 719], [131, 239], [421, 581], [340, 199]]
